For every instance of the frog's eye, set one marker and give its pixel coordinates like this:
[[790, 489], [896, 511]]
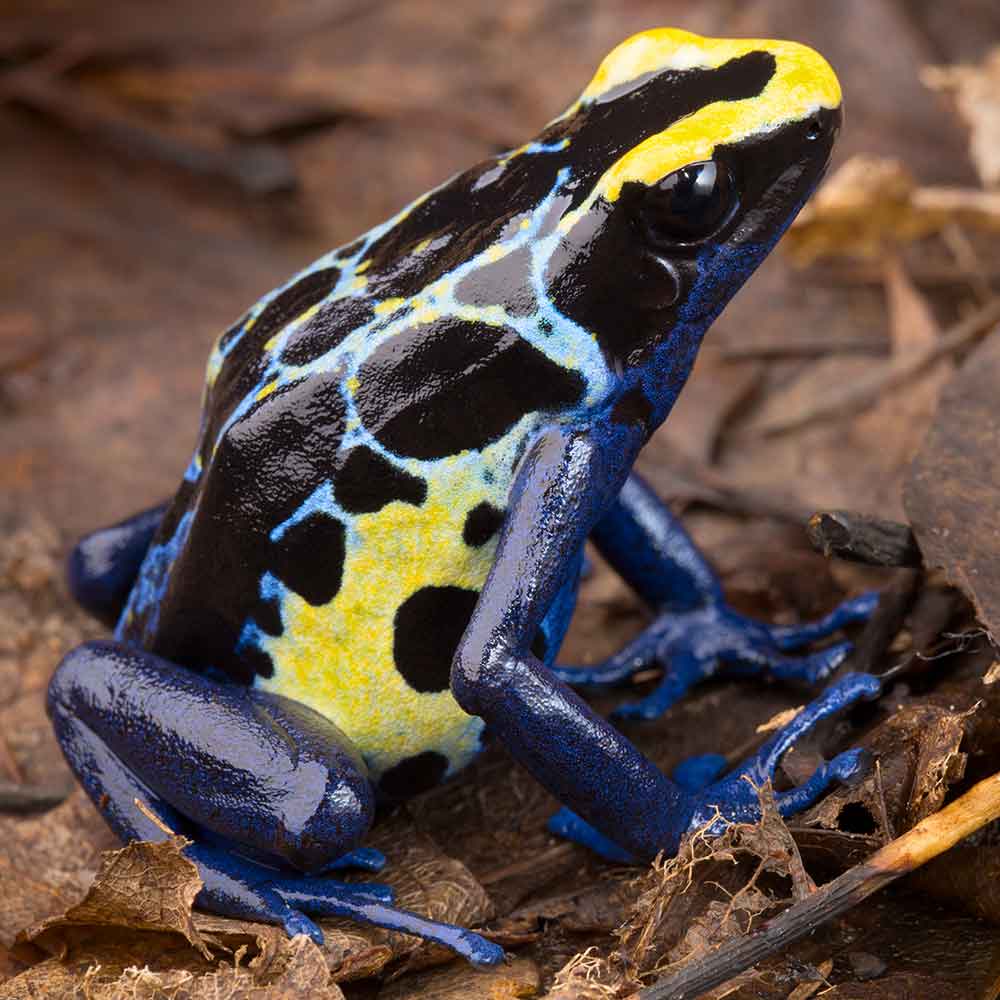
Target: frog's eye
[[689, 204]]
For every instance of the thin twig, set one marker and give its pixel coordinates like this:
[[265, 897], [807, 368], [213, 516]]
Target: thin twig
[[866, 390], [928, 839]]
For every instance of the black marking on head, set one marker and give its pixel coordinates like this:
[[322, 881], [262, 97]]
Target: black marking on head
[[309, 558], [481, 524], [429, 625], [437, 389], [606, 277], [505, 282], [475, 207], [413, 775], [333, 322], [603, 131], [267, 464], [633, 408], [367, 482]]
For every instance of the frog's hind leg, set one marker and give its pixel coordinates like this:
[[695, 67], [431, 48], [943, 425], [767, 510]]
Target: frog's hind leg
[[266, 789], [104, 564]]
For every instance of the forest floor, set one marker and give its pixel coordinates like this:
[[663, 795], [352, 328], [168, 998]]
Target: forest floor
[[165, 164]]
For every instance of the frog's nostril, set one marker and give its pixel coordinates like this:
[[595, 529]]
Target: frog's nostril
[[815, 129]]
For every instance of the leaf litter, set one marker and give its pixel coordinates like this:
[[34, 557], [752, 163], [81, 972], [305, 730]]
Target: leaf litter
[[898, 305]]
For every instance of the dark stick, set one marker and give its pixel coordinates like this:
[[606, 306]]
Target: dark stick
[[928, 839], [860, 538], [31, 798]]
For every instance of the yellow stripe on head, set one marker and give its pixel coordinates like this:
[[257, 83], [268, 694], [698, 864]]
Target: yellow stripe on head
[[803, 82]]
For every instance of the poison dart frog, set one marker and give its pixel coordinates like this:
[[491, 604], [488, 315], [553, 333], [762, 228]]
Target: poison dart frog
[[374, 553]]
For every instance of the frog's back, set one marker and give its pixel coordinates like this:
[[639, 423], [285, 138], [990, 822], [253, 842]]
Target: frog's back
[[363, 423], [357, 450]]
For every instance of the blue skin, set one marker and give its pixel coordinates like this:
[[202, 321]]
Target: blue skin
[[271, 792]]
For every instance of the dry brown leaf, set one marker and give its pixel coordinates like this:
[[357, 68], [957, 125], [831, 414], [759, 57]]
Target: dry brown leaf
[[917, 749], [518, 978], [953, 492], [866, 204], [976, 92], [147, 969], [142, 886], [902, 416], [872, 203], [47, 863]]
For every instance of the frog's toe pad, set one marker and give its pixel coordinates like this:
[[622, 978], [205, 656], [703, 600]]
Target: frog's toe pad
[[298, 923]]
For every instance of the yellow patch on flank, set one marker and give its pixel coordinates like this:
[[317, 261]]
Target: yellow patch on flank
[[352, 384], [421, 246], [363, 266], [802, 83], [338, 658], [359, 284]]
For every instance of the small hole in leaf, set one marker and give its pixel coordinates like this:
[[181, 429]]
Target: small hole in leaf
[[856, 818]]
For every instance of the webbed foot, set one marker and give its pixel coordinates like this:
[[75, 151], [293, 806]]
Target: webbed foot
[[733, 798], [242, 887], [693, 645]]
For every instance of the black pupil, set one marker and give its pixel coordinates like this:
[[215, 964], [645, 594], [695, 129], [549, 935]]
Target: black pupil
[[690, 203]]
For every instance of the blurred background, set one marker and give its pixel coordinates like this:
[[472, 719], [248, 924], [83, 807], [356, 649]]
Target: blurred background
[[164, 164]]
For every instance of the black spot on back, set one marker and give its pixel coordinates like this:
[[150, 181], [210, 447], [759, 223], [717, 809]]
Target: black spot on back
[[331, 324], [429, 625], [505, 282], [267, 615], [481, 524], [309, 558], [367, 481], [413, 775], [294, 301], [633, 408], [257, 661], [344, 253], [437, 389], [267, 464], [244, 368]]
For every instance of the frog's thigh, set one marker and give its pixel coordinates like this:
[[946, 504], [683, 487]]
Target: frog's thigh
[[261, 771], [104, 564]]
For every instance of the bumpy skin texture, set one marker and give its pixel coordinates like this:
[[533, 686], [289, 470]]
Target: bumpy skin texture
[[375, 550]]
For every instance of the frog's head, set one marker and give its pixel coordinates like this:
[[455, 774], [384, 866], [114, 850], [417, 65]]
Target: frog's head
[[692, 156], [637, 213]]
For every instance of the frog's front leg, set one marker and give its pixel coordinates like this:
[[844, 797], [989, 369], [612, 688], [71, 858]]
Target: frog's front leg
[[104, 564], [608, 785], [271, 793], [695, 632]]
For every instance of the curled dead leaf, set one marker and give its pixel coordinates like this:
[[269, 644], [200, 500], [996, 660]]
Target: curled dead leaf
[[976, 92], [872, 203], [142, 886]]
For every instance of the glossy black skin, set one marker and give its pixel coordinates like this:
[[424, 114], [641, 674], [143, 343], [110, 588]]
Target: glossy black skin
[[263, 785]]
